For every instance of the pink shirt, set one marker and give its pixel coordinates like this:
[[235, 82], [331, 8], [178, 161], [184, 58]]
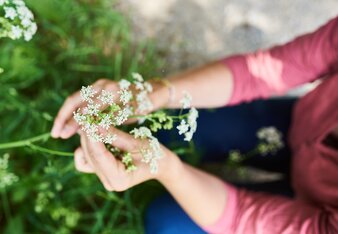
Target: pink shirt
[[314, 165]]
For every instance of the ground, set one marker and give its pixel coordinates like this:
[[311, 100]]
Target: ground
[[191, 32]]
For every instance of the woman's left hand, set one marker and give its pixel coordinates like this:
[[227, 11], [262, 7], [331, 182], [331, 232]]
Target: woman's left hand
[[94, 157]]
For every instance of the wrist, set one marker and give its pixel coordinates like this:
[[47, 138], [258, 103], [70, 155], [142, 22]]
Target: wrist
[[171, 167], [163, 93]]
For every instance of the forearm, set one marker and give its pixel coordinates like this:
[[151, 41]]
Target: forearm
[[209, 85], [200, 194]]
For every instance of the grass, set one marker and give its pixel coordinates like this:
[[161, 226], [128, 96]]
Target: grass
[[78, 41]]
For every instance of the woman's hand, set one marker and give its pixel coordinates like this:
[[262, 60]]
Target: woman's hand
[[94, 157], [65, 126]]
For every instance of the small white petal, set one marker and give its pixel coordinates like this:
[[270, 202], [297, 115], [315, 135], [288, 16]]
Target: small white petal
[[87, 93], [186, 100], [124, 84]]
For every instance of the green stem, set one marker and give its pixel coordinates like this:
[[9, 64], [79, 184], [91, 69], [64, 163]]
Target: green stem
[[29, 143], [149, 116], [49, 151], [251, 153], [23, 143]]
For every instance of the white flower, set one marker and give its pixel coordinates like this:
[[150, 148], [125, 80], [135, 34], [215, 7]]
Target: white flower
[[143, 102], [79, 118], [156, 147], [89, 128], [106, 97], [27, 35], [2, 2], [87, 93], [96, 137], [124, 84], [25, 22], [148, 87], [186, 100], [192, 118], [152, 154], [270, 135], [4, 162], [24, 12], [188, 136], [19, 2], [123, 115], [156, 154], [22, 17], [137, 77], [106, 122], [141, 132], [147, 155], [30, 31], [32, 28], [190, 127], [16, 32], [125, 96], [139, 85], [10, 13], [92, 109], [110, 138], [183, 127]]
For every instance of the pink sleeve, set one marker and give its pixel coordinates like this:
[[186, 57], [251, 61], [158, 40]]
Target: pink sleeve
[[276, 70], [253, 212]]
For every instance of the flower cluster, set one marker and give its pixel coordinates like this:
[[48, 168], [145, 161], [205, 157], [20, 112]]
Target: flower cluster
[[152, 151], [188, 127], [17, 20], [106, 109], [6, 178], [271, 140]]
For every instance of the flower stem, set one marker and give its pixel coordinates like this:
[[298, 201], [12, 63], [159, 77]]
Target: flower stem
[[26, 142], [29, 143], [49, 151], [149, 116]]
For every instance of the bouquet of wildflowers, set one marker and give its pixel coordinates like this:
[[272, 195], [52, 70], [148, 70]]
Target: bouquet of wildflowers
[[105, 109]]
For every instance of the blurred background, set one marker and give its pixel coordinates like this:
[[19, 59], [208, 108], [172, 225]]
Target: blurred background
[[79, 41], [191, 32]]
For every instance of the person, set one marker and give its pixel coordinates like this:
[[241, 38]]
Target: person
[[207, 203]]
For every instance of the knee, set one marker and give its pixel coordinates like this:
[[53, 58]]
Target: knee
[[156, 219], [165, 216]]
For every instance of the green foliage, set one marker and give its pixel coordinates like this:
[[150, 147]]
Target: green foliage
[[77, 42]]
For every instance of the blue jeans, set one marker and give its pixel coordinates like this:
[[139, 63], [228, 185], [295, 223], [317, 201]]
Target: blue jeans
[[218, 132]]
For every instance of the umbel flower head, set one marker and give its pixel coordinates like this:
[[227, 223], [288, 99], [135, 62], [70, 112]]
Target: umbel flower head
[[16, 20], [105, 109], [6, 178]]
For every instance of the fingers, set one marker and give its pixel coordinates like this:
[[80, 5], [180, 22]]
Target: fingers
[[81, 163], [112, 172], [71, 104], [69, 129], [65, 114], [102, 160]]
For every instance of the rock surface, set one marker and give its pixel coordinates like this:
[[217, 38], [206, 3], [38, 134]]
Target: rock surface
[[191, 32]]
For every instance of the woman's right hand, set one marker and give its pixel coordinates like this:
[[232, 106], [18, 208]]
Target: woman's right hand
[[65, 126]]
